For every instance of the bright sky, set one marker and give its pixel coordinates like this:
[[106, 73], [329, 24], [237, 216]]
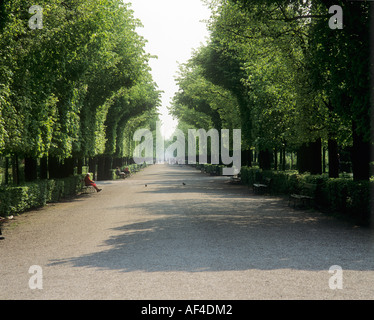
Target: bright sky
[[173, 28]]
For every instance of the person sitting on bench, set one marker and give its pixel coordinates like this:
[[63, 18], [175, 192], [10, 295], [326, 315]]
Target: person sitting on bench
[[119, 173], [88, 182]]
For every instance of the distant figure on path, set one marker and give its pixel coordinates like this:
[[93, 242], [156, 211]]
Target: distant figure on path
[[89, 182], [127, 171], [119, 173]]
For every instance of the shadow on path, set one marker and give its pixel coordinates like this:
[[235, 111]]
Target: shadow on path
[[225, 229]]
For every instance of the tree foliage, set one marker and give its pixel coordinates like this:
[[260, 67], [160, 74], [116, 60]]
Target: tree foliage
[[294, 81], [70, 88]]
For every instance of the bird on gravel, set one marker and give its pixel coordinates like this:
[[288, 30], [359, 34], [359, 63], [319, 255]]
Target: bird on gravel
[[145, 185], [183, 183]]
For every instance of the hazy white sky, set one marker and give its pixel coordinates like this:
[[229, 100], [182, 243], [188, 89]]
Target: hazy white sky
[[173, 28]]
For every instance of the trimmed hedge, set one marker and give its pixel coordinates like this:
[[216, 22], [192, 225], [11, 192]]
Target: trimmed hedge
[[132, 167], [16, 199], [210, 168], [348, 197], [341, 195]]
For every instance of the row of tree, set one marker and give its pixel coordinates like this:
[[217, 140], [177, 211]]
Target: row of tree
[[73, 86], [278, 71]]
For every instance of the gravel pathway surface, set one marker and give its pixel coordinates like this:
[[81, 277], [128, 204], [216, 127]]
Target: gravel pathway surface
[[153, 237]]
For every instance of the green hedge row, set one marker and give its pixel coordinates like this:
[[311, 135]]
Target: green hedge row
[[340, 195], [210, 168], [132, 167], [16, 199]]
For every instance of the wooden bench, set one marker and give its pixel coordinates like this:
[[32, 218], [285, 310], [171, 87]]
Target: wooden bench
[[1, 222], [306, 195], [121, 175], [124, 175], [263, 186], [87, 189]]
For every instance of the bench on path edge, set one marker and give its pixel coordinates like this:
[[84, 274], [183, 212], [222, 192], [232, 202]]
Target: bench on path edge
[[1, 222], [261, 187], [87, 189], [123, 175], [305, 196]]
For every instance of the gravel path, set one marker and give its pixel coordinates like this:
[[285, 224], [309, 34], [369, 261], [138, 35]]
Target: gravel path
[[206, 239]]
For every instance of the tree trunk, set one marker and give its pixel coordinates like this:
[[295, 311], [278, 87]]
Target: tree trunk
[[31, 169], [264, 159], [291, 165], [333, 158], [246, 158], [68, 167], [6, 170], [283, 152], [309, 157], [104, 166], [360, 157], [44, 168], [92, 166], [79, 165], [100, 168], [54, 168], [15, 169]]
